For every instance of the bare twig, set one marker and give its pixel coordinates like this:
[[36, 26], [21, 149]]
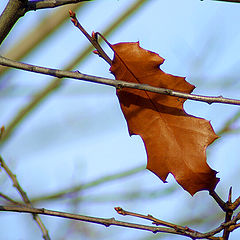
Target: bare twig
[[219, 201], [228, 207], [226, 231], [39, 33], [235, 204], [103, 221], [93, 40], [111, 221], [10, 200], [154, 220], [24, 197], [97, 182], [228, 215], [232, 224], [233, 227], [227, 127], [114, 83], [13, 11], [36, 100]]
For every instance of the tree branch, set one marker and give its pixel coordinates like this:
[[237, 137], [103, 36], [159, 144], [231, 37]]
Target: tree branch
[[13, 11], [228, 125], [30, 41], [102, 221], [115, 83], [24, 197], [79, 187], [228, 216], [219, 201], [10, 200], [235, 204], [92, 39], [111, 221], [154, 220]]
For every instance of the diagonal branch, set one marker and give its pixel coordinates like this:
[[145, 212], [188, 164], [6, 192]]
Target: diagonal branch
[[39, 33], [15, 9], [104, 179], [12, 12], [10, 200], [24, 197], [219, 201], [92, 39], [115, 83]]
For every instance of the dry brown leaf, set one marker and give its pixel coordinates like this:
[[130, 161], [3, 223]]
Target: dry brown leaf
[[175, 141]]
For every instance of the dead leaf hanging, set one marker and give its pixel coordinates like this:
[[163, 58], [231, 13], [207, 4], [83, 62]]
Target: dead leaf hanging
[[175, 142]]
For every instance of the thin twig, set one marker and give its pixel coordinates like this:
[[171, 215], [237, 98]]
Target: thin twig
[[10, 15], [10, 200], [227, 127], [23, 112], [111, 221], [154, 220], [226, 231], [103, 221], [38, 34], [24, 198], [115, 83], [228, 215], [219, 201], [104, 179], [92, 39], [133, 195], [232, 224], [233, 227], [15, 9], [235, 204]]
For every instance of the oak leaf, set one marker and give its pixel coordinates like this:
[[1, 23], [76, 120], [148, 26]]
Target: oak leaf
[[175, 142]]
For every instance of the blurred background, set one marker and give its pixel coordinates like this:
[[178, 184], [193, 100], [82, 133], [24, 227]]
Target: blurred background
[[67, 140]]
